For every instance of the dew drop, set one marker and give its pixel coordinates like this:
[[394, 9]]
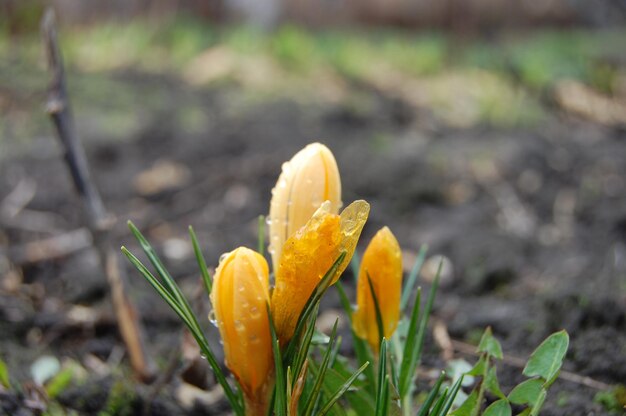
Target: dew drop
[[239, 326], [223, 257], [254, 312], [212, 318], [254, 339]]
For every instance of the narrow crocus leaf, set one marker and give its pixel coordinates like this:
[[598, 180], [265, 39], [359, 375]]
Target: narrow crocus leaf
[[380, 326], [303, 352], [498, 408], [526, 392], [382, 388], [319, 379], [436, 410], [204, 271], [360, 400], [407, 291], [337, 395], [451, 396], [4, 374], [490, 345], [280, 398], [430, 399], [410, 348], [547, 359]]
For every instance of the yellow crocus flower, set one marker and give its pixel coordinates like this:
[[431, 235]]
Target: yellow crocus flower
[[306, 257], [240, 296], [382, 261], [308, 179]]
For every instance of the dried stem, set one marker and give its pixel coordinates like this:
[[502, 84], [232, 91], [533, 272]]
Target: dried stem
[[99, 223]]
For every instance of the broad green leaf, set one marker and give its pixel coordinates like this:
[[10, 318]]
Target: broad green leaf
[[499, 408], [526, 392], [479, 367], [491, 383], [490, 345], [468, 405], [547, 359]]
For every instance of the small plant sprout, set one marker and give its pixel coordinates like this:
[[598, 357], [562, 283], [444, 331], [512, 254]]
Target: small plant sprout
[[282, 365]]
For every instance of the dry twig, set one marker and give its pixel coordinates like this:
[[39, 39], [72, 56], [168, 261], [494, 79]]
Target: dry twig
[[58, 107]]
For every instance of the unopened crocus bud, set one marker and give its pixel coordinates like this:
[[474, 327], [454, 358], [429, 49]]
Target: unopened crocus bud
[[308, 255], [382, 261], [240, 296], [308, 179]]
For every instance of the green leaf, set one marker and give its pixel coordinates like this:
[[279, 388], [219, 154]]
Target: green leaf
[[425, 409], [468, 405], [379, 316], [490, 345], [319, 379], [303, 351], [438, 407], [479, 367], [491, 383], [547, 359], [280, 397], [360, 401], [451, 396], [361, 349], [382, 388], [415, 338], [498, 408], [59, 382], [204, 271], [526, 392], [355, 264], [4, 375], [407, 291], [333, 399]]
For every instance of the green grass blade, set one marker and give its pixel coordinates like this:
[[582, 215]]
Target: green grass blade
[[409, 347], [379, 316], [382, 388], [439, 404], [310, 306], [361, 349], [206, 277], [261, 230], [319, 379], [407, 291], [337, 395], [430, 399], [451, 396], [303, 351], [415, 353], [280, 404]]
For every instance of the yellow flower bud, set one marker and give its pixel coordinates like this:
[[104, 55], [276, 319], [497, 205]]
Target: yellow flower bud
[[239, 296], [382, 260], [307, 256], [308, 179]]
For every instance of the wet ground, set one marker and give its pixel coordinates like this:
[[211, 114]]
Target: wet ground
[[531, 220]]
